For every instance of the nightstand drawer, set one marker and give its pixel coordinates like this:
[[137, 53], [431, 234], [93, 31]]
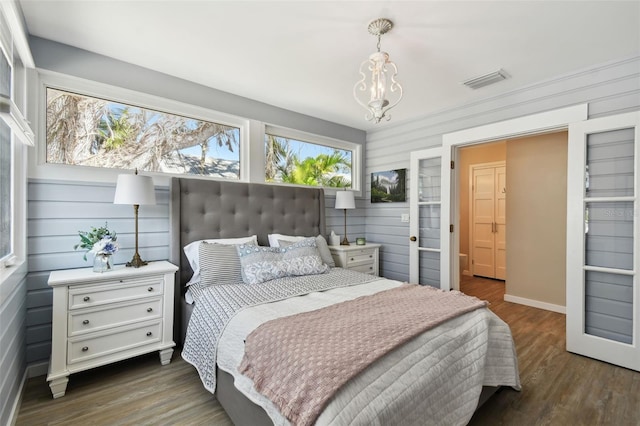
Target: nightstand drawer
[[120, 339], [114, 291], [355, 257], [367, 268], [88, 320], [363, 258]]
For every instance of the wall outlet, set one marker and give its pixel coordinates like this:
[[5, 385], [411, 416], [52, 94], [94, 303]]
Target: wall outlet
[[404, 217]]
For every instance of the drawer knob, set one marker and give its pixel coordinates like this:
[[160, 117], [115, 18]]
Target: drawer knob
[[86, 298], [148, 333], [370, 256], [85, 322], [121, 281], [150, 289], [149, 309], [352, 258], [85, 348]]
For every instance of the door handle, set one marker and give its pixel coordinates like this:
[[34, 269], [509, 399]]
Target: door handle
[[412, 238]]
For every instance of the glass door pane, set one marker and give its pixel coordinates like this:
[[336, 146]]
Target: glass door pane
[[429, 220], [609, 234]]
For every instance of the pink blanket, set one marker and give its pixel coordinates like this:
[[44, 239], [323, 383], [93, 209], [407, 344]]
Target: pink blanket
[[300, 361]]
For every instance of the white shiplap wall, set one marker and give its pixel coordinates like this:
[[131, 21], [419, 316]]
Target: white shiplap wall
[[611, 88]]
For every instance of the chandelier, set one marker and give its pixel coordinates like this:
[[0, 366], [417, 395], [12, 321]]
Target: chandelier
[[380, 73]]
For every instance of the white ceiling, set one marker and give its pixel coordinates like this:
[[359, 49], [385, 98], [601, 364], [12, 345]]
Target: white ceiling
[[304, 55]]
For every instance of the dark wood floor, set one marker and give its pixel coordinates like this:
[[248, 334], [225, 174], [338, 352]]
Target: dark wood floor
[[558, 388]]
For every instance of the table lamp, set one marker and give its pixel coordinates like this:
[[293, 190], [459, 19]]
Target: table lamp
[[345, 200], [135, 189]]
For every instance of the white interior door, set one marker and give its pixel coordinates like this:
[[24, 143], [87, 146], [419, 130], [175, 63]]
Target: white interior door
[[428, 251], [603, 298], [488, 220], [483, 222]]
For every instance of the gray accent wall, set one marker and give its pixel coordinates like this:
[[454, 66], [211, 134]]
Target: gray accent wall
[[57, 209], [76, 62], [609, 89], [13, 296]]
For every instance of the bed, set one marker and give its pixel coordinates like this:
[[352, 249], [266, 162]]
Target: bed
[[387, 390]]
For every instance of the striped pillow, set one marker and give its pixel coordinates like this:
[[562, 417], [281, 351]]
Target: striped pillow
[[219, 264]]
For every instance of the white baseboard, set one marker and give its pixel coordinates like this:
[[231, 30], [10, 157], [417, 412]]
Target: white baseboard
[[13, 416], [467, 273], [535, 304]]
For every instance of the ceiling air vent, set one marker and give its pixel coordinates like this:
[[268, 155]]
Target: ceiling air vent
[[485, 80]]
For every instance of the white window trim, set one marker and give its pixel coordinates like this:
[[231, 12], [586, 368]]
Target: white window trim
[[356, 156], [40, 169], [13, 43]]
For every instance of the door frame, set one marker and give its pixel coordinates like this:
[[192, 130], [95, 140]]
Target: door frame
[[472, 167], [535, 124]]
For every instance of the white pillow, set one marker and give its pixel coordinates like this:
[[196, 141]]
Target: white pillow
[[192, 251], [273, 239], [321, 243]]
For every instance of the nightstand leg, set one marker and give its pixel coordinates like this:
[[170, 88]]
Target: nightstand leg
[[165, 356], [59, 386]]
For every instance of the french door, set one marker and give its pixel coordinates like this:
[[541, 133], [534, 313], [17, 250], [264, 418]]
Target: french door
[[429, 232], [603, 239], [603, 232]]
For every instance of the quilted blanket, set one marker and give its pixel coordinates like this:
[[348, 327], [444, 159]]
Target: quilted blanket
[[215, 305], [434, 379], [299, 362]]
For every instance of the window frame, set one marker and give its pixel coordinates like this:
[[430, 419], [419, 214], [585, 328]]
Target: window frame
[[14, 48], [301, 136], [39, 168]]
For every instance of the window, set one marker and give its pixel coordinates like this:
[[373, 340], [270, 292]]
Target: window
[[15, 134], [6, 205], [90, 131], [6, 166], [299, 159]]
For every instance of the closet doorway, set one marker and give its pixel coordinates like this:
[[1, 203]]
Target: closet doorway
[[488, 220], [478, 237]]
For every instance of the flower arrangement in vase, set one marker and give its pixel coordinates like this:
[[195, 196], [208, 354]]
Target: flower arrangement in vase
[[101, 242]]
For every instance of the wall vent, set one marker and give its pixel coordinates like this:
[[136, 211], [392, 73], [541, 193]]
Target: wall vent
[[487, 79]]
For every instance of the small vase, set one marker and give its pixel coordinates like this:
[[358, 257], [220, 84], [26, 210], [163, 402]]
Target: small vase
[[102, 263]]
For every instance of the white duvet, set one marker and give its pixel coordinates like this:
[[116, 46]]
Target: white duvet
[[435, 379]]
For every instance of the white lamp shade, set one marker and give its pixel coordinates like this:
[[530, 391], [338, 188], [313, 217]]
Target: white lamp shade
[[134, 189], [345, 200]]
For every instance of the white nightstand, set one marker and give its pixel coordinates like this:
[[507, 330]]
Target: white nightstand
[[100, 318], [359, 258]]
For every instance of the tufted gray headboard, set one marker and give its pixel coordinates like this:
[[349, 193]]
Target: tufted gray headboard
[[203, 209]]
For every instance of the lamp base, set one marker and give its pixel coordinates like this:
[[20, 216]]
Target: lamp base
[[345, 241], [136, 261]]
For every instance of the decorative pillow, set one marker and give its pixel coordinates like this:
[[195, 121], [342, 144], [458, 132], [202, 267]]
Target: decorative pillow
[[321, 243], [219, 264], [192, 251], [260, 264]]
